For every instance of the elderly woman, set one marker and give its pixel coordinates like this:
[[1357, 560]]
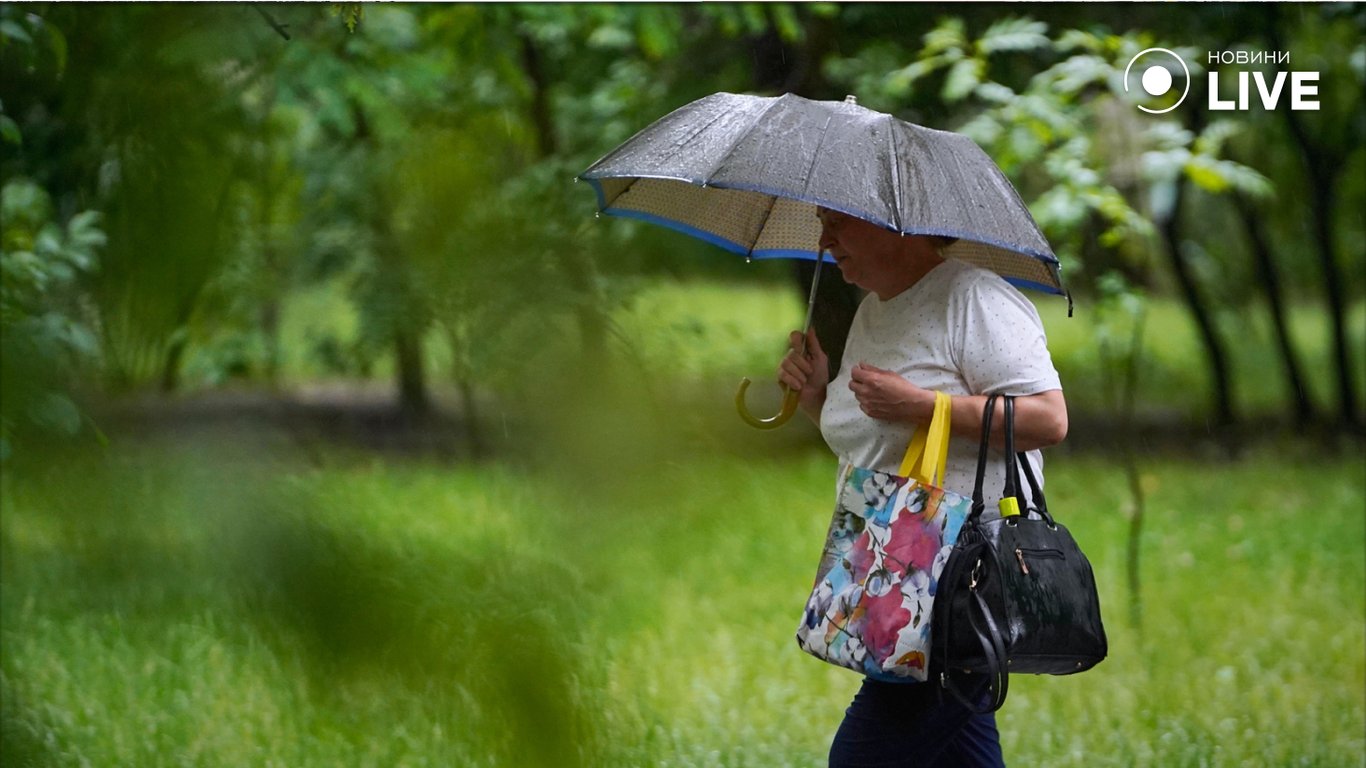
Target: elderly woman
[[928, 324]]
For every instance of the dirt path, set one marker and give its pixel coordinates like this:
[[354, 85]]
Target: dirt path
[[366, 417]]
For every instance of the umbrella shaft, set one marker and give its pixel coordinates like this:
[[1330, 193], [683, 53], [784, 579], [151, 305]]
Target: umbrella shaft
[[811, 301]]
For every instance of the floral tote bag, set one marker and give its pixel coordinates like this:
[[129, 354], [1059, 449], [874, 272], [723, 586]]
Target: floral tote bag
[[888, 541]]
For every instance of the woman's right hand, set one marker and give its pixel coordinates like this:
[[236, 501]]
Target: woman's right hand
[[808, 374]]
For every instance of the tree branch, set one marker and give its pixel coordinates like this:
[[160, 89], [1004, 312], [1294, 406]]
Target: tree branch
[[275, 25]]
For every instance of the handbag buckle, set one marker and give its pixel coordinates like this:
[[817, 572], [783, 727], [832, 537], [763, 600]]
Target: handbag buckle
[[976, 571]]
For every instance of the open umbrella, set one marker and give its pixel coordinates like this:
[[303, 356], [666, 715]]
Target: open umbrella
[[747, 172]]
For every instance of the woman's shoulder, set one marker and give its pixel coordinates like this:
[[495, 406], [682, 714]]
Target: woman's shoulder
[[977, 283], [961, 274], [980, 294]]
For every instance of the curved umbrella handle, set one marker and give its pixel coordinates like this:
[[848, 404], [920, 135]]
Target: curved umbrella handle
[[789, 395], [789, 407]]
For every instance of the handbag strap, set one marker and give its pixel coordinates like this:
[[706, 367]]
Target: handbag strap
[[1040, 504], [928, 454], [1010, 496], [993, 651], [978, 500], [1019, 463]]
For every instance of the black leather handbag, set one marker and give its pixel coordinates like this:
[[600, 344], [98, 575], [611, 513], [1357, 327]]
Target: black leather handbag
[[1016, 594]]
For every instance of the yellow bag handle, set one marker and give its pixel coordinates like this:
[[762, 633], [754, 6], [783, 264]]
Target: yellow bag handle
[[928, 454]]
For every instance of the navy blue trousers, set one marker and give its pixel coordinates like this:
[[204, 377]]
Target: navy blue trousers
[[909, 725]]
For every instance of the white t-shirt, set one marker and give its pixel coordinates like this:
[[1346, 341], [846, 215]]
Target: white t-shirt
[[961, 330]]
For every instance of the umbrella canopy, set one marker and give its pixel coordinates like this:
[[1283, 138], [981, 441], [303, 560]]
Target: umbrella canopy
[[747, 172]]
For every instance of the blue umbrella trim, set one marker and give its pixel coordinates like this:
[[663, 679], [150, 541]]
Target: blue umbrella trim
[[597, 190], [700, 234], [1019, 282], [734, 247]]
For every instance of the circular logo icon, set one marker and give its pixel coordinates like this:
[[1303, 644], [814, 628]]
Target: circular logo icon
[[1155, 77]]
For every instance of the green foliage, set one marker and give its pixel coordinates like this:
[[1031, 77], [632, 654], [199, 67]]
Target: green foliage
[[414, 169], [45, 324], [1177, 152], [140, 133], [350, 14], [34, 42], [1013, 34], [9, 130], [1118, 327]]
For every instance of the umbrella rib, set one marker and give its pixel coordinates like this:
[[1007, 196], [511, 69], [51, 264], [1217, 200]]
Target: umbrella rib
[[806, 182], [772, 203], [896, 177], [608, 203], [699, 131], [649, 128], [739, 138]]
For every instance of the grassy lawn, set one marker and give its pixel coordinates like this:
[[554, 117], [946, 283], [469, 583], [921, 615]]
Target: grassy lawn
[[621, 587], [230, 604]]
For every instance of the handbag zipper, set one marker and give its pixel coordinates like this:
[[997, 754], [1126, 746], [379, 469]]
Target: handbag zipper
[[1020, 553]]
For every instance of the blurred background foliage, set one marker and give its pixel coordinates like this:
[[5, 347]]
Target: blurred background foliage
[[402, 172], [228, 227]]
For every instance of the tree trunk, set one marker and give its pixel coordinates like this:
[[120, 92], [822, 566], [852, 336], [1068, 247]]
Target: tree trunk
[[270, 328], [540, 99], [473, 430], [412, 384], [1323, 171], [794, 67], [1209, 336], [1322, 188], [1324, 167], [175, 353], [170, 365], [1303, 407], [413, 400]]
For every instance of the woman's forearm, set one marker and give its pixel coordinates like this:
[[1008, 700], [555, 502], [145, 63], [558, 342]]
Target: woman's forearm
[[1040, 420]]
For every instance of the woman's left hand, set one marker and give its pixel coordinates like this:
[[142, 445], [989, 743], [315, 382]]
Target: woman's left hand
[[884, 395]]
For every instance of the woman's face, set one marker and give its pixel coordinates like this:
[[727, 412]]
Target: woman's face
[[864, 251], [873, 258]]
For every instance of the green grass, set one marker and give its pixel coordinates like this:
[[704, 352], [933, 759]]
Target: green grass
[[1174, 376], [214, 604]]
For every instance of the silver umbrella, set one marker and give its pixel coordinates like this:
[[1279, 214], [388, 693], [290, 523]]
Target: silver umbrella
[[747, 172]]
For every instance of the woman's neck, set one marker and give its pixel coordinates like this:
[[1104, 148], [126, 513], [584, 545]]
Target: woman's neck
[[910, 268]]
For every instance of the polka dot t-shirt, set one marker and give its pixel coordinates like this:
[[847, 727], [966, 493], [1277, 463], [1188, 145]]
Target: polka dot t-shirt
[[961, 330]]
